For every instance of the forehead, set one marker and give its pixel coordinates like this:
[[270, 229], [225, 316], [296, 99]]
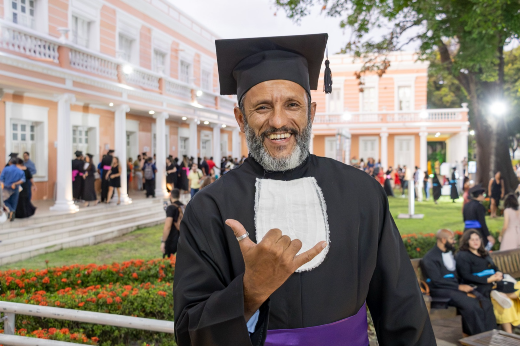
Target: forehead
[[274, 90]]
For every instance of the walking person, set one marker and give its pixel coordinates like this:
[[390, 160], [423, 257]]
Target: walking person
[[106, 164], [149, 171], [388, 183], [114, 180], [436, 187], [474, 214], [172, 224], [194, 178], [426, 183], [89, 181], [453, 182], [183, 175], [138, 173], [406, 179], [171, 174], [496, 189], [10, 179], [77, 176], [510, 235], [129, 168], [32, 168], [25, 208]]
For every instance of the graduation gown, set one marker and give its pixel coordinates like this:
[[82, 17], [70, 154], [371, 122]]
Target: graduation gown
[[437, 188], [106, 165], [366, 262], [77, 178], [474, 214], [473, 269], [453, 183]]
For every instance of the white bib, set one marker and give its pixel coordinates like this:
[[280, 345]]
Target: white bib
[[298, 209]]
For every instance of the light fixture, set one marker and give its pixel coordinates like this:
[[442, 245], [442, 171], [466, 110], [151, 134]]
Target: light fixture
[[472, 132], [347, 116], [151, 112], [199, 93], [223, 125], [184, 118], [206, 122], [128, 69], [111, 104], [437, 134], [423, 114], [498, 108]]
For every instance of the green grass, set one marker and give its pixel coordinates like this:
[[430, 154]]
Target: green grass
[[145, 243]]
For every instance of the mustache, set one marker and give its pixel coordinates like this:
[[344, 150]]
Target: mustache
[[282, 129]]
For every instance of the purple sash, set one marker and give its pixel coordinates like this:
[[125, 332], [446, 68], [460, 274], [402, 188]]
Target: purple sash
[[351, 331], [75, 173], [106, 168]]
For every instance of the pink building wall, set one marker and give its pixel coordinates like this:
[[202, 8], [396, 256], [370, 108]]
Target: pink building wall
[[145, 53], [107, 31]]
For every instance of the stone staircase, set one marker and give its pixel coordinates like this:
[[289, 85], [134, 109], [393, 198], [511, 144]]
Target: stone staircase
[[26, 238]]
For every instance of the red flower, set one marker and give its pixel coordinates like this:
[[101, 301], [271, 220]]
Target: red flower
[[57, 303], [46, 280], [418, 249], [81, 304], [134, 275], [63, 280], [109, 300]]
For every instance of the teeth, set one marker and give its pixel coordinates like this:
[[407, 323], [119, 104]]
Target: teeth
[[279, 136]]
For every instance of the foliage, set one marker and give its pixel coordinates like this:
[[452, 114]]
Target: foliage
[[444, 91], [57, 334]]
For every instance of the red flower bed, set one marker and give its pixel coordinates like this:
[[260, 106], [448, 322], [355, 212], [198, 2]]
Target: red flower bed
[[58, 335]]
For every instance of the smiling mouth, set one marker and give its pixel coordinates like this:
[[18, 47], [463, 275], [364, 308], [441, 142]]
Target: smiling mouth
[[279, 136]]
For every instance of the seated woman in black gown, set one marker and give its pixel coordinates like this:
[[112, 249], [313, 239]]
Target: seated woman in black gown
[[475, 267], [114, 176], [25, 208]]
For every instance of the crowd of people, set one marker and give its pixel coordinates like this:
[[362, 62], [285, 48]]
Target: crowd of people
[[18, 186]]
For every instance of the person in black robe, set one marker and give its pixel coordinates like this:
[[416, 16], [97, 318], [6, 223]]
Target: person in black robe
[[25, 208], [388, 183], [439, 268], [237, 288], [174, 213], [474, 214], [183, 175], [106, 164], [171, 174], [436, 188], [77, 176], [453, 182], [89, 189]]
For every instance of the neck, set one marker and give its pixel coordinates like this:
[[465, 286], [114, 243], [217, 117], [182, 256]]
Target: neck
[[441, 246], [173, 200], [474, 251]]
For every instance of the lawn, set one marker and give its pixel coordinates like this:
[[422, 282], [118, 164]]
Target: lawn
[[145, 243]]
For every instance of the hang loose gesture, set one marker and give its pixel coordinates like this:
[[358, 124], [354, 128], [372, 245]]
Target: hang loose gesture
[[269, 263]]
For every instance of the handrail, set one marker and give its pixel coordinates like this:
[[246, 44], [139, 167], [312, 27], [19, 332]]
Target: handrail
[[11, 309], [16, 340]]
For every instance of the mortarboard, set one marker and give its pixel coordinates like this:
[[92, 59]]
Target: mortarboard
[[78, 153], [110, 151], [477, 190], [12, 155], [246, 62]]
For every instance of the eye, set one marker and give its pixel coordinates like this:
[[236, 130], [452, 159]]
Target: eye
[[293, 104]]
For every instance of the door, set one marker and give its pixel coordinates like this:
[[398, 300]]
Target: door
[[330, 147], [205, 148], [404, 151], [369, 147], [184, 146], [80, 136]]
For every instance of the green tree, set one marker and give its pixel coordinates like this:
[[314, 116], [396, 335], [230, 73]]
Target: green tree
[[469, 37]]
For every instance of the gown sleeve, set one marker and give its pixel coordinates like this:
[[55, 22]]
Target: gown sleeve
[[465, 272], [437, 280], [394, 290], [482, 220], [209, 307]]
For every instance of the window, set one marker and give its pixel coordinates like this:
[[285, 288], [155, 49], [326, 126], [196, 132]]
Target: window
[[405, 98], [206, 80], [80, 139], [23, 12], [159, 61], [23, 137], [184, 144], [80, 31], [368, 100], [185, 72], [125, 47], [335, 101]]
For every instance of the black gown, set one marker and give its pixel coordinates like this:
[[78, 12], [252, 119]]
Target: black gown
[[366, 262], [25, 208], [173, 238], [454, 190], [183, 178], [77, 184], [475, 211], [171, 178], [388, 184], [116, 181], [89, 189], [469, 264], [105, 165], [436, 188]]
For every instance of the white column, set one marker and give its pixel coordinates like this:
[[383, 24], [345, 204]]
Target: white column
[[236, 144], [193, 140], [160, 151], [423, 149], [216, 145], [311, 144], [120, 150], [384, 150], [64, 200]]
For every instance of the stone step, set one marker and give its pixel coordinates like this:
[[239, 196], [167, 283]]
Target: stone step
[[91, 238], [50, 216], [22, 242], [106, 213]]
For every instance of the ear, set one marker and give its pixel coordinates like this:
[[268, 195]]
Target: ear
[[240, 118], [313, 111]]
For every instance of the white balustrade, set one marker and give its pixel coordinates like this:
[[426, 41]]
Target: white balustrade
[[435, 115], [206, 99], [178, 89], [227, 105], [26, 43], [93, 64], [143, 79]]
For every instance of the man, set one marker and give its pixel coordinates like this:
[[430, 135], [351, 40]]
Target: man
[[78, 169], [321, 241], [10, 180], [138, 172], [212, 166], [106, 164], [32, 168], [194, 179], [174, 213], [407, 178], [454, 194], [149, 171], [204, 167], [438, 266], [474, 214]]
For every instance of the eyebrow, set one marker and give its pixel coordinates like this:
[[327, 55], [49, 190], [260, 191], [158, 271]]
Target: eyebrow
[[268, 101]]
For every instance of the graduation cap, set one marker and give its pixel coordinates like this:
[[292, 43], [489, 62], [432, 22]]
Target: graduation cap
[[78, 153], [246, 62], [13, 155], [110, 151], [477, 190]]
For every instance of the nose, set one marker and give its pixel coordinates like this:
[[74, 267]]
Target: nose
[[278, 117]]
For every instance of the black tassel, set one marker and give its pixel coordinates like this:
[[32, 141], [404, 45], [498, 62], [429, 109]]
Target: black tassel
[[327, 78]]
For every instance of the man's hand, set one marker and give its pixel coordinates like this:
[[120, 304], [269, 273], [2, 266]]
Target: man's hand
[[269, 264], [465, 288], [13, 186]]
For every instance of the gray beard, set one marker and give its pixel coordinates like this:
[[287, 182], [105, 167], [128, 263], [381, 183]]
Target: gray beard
[[257, 150]]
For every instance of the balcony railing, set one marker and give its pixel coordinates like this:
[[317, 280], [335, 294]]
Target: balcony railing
[[21, 40], [226, 104], [145, 79], [178, 89], [428, 115], [93, 64]]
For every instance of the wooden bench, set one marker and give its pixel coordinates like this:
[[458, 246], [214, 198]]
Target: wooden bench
[[492, 338], [508, 262]]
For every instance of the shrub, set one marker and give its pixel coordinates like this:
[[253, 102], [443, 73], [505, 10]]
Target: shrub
[[58, 335]]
